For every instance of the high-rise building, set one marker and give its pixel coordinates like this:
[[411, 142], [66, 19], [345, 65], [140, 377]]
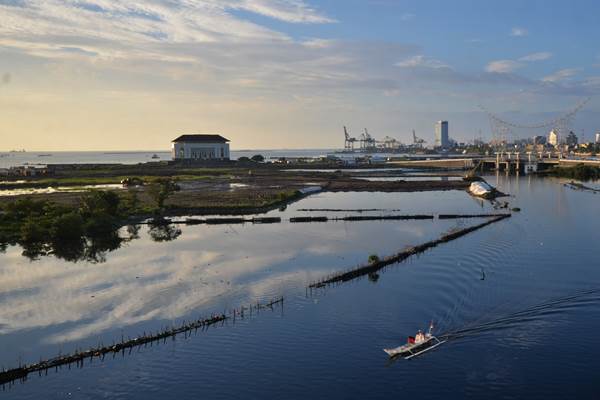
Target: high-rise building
[[441, 134], [598, 137], [553, 138], [572, 139]]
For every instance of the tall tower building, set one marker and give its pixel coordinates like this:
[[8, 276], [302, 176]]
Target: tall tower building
[[553, 138], [441, 134]]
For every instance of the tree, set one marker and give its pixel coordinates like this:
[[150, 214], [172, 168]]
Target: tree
[[161, 190], [99, 201], [258, 158]]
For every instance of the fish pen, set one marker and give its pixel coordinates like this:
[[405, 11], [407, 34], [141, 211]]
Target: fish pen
[[78, 357], [377, 265], [307, 219]]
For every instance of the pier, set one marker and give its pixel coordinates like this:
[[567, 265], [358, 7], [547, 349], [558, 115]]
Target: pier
[[78, 358], [375, 266]]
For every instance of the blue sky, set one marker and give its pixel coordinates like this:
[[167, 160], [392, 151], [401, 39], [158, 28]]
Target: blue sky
[[101, 74]]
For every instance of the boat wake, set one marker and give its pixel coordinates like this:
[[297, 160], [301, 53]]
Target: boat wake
[[553, 306]]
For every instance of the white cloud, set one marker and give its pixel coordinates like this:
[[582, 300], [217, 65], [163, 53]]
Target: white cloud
[[503, 66], [407, 16], [561, 75], [421, 61], [541, 56], [296, 11], [109, 28], [519, 32], [318, 43]]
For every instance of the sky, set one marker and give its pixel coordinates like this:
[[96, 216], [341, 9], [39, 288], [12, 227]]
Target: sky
[[116, 75]]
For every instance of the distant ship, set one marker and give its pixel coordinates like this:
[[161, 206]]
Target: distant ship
[[155, 156], [44, 155]]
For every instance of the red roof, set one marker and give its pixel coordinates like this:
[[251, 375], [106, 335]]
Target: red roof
[[201, 139]]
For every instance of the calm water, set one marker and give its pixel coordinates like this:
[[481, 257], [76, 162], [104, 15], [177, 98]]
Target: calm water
[[326, 343], [134, 157]]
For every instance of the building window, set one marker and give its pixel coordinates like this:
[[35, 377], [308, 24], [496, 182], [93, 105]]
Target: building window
[[222, 152]]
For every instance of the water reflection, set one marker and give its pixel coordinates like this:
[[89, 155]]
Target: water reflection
[[194, 268], [92, 249], [162, 231]]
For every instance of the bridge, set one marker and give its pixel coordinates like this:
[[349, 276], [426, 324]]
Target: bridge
[[511, 162]]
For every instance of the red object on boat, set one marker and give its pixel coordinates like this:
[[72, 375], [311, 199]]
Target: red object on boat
[[411, 339]]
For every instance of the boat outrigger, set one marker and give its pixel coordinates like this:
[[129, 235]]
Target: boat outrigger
[[418, 344]]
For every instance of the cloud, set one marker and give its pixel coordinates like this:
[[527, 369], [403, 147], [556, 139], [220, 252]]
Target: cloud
[[104, 27], [294, 11], [541, 56], [561, 75], [503, 66], [519, 32], [407, 17], [421, 61]]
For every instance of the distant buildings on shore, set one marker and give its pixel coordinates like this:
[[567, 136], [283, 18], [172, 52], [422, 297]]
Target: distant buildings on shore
[[200, 147], [441, 135]]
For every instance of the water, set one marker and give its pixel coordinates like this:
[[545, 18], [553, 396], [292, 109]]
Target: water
[[326, 343], [14, 159]]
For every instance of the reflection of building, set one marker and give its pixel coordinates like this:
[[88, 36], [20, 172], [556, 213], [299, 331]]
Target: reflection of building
[[201, 147], [572, 139], [553, 138], [441, 134]]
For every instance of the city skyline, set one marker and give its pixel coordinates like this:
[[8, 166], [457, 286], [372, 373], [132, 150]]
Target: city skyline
[[100, 75]]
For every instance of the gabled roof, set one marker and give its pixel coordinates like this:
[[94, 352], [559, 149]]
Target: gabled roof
[[201, 139]]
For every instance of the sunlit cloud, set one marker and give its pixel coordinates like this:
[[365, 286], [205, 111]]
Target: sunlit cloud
[[503, 66], [561, 75], [541, 56]]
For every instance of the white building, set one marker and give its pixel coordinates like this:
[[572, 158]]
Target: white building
[[200, 147], [598, 137], [441, 134], [553, 138]]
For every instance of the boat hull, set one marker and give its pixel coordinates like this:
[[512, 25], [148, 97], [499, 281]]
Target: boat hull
[[410, 350]]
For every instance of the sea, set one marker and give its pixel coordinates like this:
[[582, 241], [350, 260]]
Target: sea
[[18, 158]]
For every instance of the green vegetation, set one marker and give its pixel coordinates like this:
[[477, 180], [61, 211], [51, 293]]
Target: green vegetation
[[161, 189], [83, 233], [258, 158], [373, 259], [579, 172]]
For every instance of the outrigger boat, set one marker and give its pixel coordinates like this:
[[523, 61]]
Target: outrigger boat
[[418, 344]]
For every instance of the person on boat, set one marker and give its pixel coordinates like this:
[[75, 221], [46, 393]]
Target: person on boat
[[419, 337]]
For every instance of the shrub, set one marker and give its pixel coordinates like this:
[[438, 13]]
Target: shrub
[[258, 158], [98, 202], [33, 232], [373, 258], [161, 189], [67, 228]]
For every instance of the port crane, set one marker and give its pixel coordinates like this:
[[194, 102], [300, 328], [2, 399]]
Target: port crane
[[417, 141], [366, 141], [348, 140]]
